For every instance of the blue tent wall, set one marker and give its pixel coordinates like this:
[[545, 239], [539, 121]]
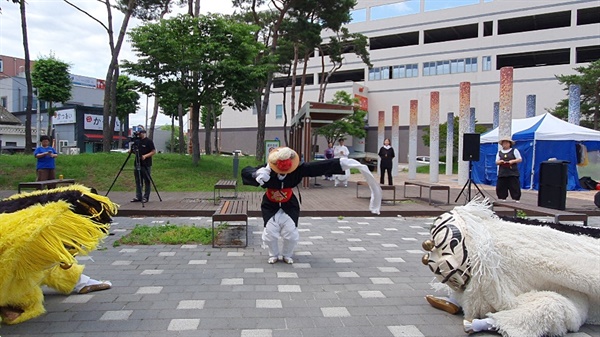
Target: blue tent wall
[[485, 171]]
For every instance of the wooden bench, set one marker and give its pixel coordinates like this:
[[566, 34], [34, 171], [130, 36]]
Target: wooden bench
[[383, 187], [231, 210], [538, 210], [224, 184], [431, 187], [42, 185]]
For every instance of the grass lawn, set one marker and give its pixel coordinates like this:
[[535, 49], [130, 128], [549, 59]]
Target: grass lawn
[[170, 172]]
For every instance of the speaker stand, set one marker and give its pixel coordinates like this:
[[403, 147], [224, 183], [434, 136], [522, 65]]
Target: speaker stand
[[468, 186]]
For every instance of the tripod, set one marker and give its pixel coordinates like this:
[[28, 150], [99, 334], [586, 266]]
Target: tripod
[[468, 185], [138, 169]]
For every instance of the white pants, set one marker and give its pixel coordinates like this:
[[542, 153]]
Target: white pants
[[342, 178], [281, 225]]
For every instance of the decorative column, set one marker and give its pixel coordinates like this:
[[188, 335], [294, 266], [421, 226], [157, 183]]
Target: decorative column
[[395, 141], [306, 148], [530, 106], [463, 127], [434, 137], [506, 101], [496, 115], [574, 104], [450, 143], [380, 136], [412, 139], [471, 120]]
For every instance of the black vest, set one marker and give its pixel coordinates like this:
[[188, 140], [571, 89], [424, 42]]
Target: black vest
[[505, 170]]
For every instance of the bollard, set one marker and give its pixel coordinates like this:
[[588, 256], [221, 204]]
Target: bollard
[[236, 163]]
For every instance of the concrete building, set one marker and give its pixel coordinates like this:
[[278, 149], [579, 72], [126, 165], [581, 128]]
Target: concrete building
[[417, 47]]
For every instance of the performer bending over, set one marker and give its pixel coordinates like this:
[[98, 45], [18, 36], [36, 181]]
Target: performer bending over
[[280, 207], [40, 234]]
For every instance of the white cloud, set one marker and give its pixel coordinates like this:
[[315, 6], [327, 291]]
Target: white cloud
[[55, 27]]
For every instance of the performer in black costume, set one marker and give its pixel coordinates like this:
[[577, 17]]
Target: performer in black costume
[[280, 207]]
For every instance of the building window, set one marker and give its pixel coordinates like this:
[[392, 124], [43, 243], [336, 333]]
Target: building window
[[4, 101], [11, 144], [1, 66], [406, 7], [486, 63], [358, 15], [278, 111]]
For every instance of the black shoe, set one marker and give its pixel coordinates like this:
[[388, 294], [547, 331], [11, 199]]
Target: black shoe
[[144, 200], [135, 200]]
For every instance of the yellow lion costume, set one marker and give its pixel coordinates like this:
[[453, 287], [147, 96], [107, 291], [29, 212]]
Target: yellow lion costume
[[40, 234]]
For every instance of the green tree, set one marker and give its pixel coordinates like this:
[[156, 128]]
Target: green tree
[[50, 77], [211, 57], [329, 14], [588, 78], [141, 9], [444, 134], [128, 101], [353, 125]]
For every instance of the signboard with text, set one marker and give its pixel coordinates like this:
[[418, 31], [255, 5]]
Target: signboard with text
[[270, 145], [94, 122], [88, 82], [64, 117]]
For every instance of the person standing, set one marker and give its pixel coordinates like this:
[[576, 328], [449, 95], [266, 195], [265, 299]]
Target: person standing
[[508, 172], [341, 151], [46, 165], [329, 155], [386, 154], [144, 148]]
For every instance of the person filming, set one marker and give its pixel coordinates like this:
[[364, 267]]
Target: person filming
[[144, 149]]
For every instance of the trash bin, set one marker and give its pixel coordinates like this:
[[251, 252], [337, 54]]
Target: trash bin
[[552, 191], [236, 163]]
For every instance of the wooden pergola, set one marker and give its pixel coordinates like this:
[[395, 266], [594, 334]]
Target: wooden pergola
[[313, 115]]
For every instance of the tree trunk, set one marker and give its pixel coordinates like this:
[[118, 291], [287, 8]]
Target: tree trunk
[[50, 113], [120, 134], [216, 132], [153, 118], [28, 106], [293, 86], [108, 99], [113, 104], [207, 130], [172, 147], [181, 136], [303, 83], [195, 116]]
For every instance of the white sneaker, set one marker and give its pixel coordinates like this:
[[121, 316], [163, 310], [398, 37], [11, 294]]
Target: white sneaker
[[272, 259], [288, 260]]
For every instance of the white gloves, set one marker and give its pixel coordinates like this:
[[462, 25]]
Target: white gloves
[[263, 175], [348, 163]]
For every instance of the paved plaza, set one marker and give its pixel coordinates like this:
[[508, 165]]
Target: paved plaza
[[359, 276]]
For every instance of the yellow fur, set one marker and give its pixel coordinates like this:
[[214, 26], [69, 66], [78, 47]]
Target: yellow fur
[[32, 246]]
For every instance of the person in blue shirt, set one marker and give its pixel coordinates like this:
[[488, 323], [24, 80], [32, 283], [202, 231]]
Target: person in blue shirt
[[46, 166]]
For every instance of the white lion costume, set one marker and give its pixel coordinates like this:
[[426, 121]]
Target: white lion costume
[[525, 280]]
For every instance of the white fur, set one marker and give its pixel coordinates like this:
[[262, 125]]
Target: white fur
[[534, 281]]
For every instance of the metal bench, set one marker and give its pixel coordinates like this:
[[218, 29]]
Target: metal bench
[[383, 187], [224, 184], [431, 187], [42, 185], [231, 210], [538, 210]]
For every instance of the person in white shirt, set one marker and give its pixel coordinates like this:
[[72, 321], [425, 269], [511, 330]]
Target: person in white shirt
[[341, 151]]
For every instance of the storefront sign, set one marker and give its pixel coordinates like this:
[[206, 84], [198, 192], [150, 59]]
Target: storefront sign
[[94, 122], [64, 117]]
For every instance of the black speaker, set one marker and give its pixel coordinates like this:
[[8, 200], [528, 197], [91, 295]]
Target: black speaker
[[471, 144], [552, 192]]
